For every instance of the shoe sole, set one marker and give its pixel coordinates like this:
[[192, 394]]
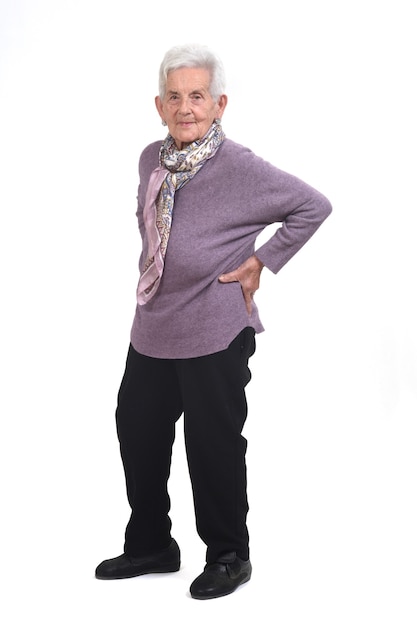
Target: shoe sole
[[149, 570]]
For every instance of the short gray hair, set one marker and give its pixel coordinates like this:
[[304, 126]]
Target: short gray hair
[[193, 55]]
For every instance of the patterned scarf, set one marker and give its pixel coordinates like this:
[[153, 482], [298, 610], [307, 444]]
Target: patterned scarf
[[177, 168]]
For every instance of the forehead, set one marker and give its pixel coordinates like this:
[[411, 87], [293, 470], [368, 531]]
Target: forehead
[[188, 79]]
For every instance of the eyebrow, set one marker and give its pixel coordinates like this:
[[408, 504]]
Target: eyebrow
[[173, 92]]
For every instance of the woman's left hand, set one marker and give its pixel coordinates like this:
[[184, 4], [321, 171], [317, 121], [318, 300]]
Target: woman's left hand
[[248, 275]]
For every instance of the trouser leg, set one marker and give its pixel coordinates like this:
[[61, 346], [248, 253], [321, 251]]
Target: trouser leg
[[215, 410], [149, 403]]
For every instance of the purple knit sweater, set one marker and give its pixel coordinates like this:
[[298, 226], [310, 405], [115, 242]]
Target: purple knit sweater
[[216, 219]]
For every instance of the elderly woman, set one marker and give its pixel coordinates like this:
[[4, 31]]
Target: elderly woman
[[202, 202]]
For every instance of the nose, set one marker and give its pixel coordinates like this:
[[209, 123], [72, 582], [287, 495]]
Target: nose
[[184, 107]]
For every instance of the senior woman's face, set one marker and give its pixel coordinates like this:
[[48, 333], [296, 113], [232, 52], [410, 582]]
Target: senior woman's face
[[188, 108]]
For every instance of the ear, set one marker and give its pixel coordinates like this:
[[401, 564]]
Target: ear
[[159, 107], [221, 105]]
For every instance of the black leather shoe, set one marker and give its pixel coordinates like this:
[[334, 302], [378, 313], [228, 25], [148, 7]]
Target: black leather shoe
[[221, 578], [124, 566]]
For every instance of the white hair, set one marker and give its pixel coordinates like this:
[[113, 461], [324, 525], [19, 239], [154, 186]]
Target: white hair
[[193, 55]]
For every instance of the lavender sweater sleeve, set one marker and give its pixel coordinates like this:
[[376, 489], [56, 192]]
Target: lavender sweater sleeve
[[217, 218]]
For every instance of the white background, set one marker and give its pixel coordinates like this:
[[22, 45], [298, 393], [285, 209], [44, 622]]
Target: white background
[[324, 90]]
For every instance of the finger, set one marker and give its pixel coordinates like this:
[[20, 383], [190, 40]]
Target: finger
[[229, 278], [248, 297]]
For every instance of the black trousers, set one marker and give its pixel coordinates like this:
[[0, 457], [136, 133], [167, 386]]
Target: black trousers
[[210, 392]]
